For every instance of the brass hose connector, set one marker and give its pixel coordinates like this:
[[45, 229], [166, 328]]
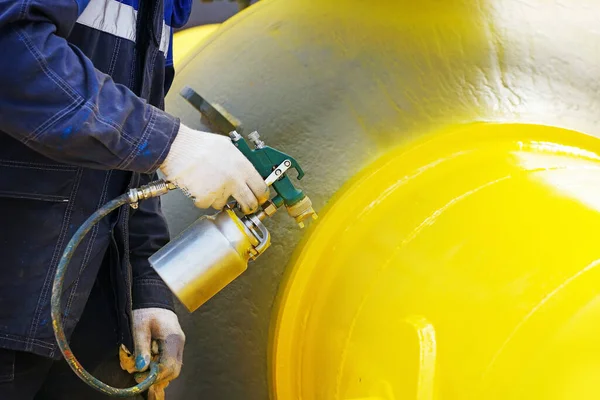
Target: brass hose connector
[[152, 189]]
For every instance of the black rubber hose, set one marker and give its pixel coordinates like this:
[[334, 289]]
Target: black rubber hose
[[56, 312]]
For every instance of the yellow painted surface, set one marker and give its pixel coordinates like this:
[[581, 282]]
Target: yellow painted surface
[[461, 267], [185, 41], [459, 259]]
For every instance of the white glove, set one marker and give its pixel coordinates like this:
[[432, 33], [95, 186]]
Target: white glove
[[209, 168], [159, 327]]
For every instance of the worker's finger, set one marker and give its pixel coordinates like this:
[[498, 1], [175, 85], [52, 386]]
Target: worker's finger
[[171, 357], [143, 343], [246, 199], [219, 202], [204, 202], [258, 186]]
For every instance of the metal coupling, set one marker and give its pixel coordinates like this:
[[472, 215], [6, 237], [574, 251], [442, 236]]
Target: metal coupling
[[152, 189], [268, 209]]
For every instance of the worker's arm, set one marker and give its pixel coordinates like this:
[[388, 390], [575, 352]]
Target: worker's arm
[[54, 100]]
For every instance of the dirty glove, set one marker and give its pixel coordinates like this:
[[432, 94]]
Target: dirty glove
[[209, 168], [158, 336]]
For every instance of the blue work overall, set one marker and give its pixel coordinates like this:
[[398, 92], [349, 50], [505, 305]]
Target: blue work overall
[[81, 99]]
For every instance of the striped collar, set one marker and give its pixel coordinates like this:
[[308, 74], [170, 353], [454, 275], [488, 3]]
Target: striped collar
[[119, 18]]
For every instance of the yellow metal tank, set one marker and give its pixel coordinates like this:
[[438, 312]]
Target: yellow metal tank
[[464, 267], [188, 40], [452, 149]]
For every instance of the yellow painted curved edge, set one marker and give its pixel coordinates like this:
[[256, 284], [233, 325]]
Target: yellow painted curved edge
[[185, 41], [315, 235], [293, 288]]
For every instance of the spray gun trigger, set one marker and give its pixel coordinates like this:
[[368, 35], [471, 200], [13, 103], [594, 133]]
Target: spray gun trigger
[[278, 172]]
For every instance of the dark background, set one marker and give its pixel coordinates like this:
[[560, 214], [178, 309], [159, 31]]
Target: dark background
[[212, 12]]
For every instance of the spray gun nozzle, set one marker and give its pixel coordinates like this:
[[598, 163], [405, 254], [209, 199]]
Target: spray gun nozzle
[[301, 211]]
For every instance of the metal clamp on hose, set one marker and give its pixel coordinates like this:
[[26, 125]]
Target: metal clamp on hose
[[132, 197]]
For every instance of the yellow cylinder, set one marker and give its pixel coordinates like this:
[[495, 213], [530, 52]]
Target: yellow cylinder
[[187, 40], [461, 267]]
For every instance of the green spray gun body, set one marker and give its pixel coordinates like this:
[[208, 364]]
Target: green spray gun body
[[216, 249], [271, 164]]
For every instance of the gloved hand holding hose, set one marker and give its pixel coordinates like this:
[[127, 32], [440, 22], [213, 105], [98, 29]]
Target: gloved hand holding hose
[[210, 169], [160, 327]]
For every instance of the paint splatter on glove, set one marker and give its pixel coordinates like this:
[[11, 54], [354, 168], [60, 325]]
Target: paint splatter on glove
[[158, 337], [209, 169]]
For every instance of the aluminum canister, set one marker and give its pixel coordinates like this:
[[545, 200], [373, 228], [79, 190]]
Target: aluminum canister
[[208, 255]]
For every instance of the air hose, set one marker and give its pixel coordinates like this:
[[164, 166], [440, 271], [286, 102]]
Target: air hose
[[153, 189]]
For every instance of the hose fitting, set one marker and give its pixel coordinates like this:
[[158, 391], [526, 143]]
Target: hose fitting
[[152, 189]]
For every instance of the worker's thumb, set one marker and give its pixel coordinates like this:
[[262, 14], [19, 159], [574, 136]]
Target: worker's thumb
[[143, 344]]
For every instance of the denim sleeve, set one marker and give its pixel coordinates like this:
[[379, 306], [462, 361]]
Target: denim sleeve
[[55, 101], [148, 232]]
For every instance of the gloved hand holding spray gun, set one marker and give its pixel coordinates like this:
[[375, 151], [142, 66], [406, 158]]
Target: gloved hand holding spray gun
[[214, 250]]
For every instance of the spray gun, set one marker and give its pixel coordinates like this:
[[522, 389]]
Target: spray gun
[[215, 250], [209, 254]]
